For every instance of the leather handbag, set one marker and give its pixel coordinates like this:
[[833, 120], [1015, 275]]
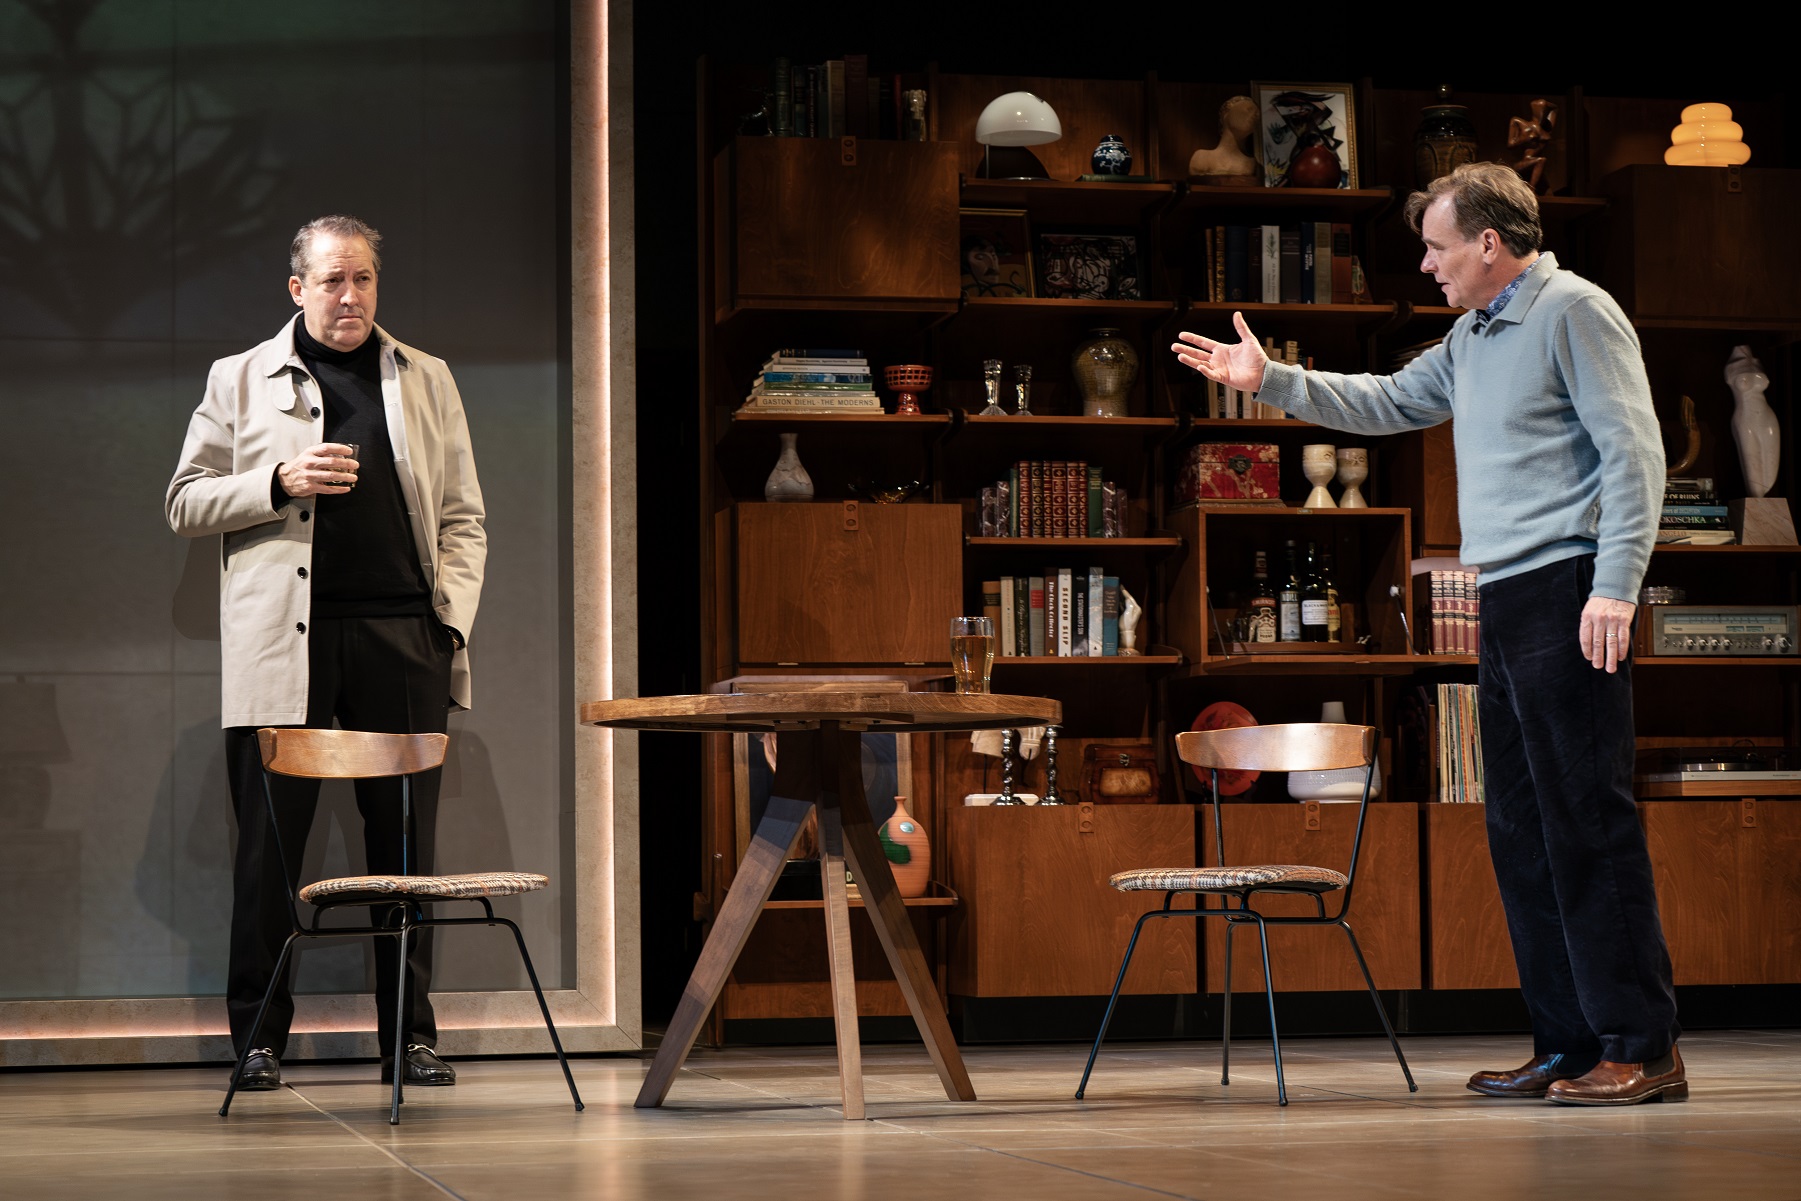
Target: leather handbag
[[1121, 773]]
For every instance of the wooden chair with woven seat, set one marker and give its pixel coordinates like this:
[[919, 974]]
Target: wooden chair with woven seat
[[1299, 747], [358, 755]]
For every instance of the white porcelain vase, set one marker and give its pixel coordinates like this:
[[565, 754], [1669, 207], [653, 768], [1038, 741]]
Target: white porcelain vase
[[789, 480]]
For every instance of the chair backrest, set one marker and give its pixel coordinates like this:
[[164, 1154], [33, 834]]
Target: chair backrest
[[348, 754], [1302, 746]]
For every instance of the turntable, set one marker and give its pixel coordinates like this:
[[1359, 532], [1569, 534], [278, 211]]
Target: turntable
[[1734, 771]]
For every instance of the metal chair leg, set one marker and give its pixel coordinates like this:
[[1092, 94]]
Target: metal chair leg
[[1269, 992], [1380, 1012], [399, 1024], [256, 1025], [531, 973], [1118, 981], [1225, 1034]]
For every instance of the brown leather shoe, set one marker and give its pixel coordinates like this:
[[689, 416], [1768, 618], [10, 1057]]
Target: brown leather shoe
[[1529, 1081], [1625, 1083]]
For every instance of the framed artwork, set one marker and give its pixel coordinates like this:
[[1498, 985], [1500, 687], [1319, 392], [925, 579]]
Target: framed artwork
[[1295, 117], [1090, 266], [887, 759], [995, 252]]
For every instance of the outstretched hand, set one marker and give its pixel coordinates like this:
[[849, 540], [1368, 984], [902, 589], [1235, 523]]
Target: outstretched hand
[[1237, 365]]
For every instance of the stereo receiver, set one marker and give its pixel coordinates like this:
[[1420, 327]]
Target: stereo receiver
[[1718, 630]]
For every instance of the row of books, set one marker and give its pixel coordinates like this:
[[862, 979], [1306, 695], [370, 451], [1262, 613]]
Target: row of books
[[1237, 404], [1692, 513], [1456, 612], [1304, 263], [814, 379], [1459, 737], [834, 99], [1064, 612], [1043, 499]]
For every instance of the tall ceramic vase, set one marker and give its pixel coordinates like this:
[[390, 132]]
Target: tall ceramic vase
[[1754, 426], [904, 832], [1105, 367], [789, 480]]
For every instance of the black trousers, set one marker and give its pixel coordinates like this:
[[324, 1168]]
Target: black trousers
[[1563, 829], [387, 674]]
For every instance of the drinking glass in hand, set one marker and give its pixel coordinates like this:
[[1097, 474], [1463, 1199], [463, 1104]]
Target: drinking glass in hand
[[343, 468], [972, 653]]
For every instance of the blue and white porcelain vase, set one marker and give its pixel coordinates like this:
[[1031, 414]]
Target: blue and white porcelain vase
[[1111, 157]]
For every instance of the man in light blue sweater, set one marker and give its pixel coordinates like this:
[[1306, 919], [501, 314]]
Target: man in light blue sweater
[[1560, 478]]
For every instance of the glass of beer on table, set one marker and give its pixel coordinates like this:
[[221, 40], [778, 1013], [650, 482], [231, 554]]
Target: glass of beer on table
[[972, 653]]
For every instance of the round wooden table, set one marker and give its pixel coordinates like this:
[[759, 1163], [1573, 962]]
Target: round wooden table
[[819, 766]]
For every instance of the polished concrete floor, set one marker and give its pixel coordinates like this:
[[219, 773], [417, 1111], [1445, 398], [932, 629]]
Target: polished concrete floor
[[745, 1124]]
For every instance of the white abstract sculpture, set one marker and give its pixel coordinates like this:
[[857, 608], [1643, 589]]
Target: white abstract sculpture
[[1129, 613], [1754, 425]]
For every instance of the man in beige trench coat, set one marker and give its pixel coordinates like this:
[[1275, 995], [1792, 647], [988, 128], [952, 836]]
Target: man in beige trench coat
[[335, 462]]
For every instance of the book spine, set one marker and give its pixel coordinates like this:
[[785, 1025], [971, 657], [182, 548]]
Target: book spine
[[1096, 611], [1078, 623], [1064, 601], [1307, 275], [1341, 262], [856, 95], [1437, 581], [833, 124], [842, 379], [1095, 528], [1322, 262], [811, 129], [1237, 265], [991, 604], [1035, 626], [1015, 479], [1211, 254], [1219, 262], [1696, 510], [1040, 514], [1271, 249], [1288, 283], [1008, 638], [782, 85], [1050, 611], [1059, 500], [1695, 521], [1110, 615]]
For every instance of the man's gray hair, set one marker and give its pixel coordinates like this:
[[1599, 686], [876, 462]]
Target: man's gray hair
[[300, 254], [1484, 196]]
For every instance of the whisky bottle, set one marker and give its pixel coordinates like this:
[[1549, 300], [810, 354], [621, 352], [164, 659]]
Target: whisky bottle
[[1333, 617], [1263, 602]]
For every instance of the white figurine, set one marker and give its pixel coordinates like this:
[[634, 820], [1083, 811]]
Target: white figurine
[[1129, 613], [1754, 425]]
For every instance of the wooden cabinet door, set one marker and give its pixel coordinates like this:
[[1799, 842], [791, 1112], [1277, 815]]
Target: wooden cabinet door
[[1467, 944], [842, 582], [812, 222], [1038, 918], [1728, 888], [1385, 911]]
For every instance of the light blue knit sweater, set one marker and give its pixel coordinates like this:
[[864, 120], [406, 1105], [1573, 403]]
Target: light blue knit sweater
[[1558, 452]]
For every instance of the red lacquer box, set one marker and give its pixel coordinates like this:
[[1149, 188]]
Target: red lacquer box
[[1230, 471]]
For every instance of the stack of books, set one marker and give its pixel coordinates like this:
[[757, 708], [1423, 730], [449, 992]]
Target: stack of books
[[1692, 513], [1456, 612], [1305, 263], [1064, 612], [813, 380], [1041, 499]]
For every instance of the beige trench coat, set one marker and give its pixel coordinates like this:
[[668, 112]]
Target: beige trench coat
[[262, 409]]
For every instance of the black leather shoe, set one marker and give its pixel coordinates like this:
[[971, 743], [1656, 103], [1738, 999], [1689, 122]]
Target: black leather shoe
[[423, 1067], [1534, 1079], [262, 1072]]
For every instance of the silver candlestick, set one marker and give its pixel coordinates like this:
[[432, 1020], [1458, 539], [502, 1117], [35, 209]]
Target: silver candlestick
[[1051, 795], [1007, 797], [1022, 388]]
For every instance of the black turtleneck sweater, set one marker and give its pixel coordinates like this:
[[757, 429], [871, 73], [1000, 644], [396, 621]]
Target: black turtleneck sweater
[[364, 561]]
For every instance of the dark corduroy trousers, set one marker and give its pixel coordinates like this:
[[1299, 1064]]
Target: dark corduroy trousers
[[387, 674], [1563, 829]]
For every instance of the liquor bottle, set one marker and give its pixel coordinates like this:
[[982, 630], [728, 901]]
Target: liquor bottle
[[1288, 603], [1313, 598], [1333, 618], [1263, 602]]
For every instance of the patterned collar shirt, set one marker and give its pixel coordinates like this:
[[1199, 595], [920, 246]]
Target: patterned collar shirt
[[1506, 294]]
